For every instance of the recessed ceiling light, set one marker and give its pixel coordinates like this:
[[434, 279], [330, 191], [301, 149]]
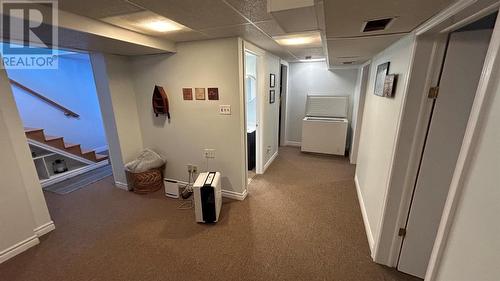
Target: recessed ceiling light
[[309, 39], [146, 22]]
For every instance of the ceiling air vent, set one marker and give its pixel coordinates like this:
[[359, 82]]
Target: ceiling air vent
[[376, 25], [348, 62]]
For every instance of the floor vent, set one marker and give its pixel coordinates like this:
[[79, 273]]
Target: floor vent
[[376, 25]]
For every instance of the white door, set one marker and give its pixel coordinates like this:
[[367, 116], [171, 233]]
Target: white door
[[461, 72]]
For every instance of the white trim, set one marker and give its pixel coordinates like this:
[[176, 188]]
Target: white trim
[[59, 151], [18, 248], [482, 13], [293, 143], [44, 228], [101, 149], [270, 161], [486, 88], [260, 103], [444, 15], [369, 234], [235, 195], [121, 185], [73, 173]]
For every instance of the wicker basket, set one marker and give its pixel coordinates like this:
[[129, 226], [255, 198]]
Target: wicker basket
[[146, 182]]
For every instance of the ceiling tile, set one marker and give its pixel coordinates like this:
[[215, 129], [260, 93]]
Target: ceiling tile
[[271, 27], [345, 18], [227, 31], [297, 20], [250, 34], [254, 10], [98, 8], [320, 13], [315, 53], [193, 13], [359, 47]]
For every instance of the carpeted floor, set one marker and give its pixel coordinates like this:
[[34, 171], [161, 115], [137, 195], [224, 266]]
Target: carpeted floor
[[301, 221]]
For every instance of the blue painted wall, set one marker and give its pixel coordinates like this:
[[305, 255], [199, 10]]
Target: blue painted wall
[[71, 85]]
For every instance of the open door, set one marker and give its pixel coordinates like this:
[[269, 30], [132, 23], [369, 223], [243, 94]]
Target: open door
[[461, 71]]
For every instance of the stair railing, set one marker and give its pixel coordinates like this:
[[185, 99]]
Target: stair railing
[[65, 110]]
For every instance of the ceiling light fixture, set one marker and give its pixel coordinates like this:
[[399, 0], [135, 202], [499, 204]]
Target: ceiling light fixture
[[146, 22], [309, 39], [161, 25]]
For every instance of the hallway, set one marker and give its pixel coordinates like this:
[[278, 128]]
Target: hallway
[[301, 221]]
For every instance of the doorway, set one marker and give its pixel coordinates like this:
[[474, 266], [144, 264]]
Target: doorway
[[251, 115], [283, 101], [458, 81], [62, 121]]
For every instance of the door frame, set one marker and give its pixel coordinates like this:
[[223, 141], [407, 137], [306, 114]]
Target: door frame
[[423, 73], [485, 90], [260, 54]]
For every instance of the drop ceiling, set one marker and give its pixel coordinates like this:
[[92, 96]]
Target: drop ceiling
[[344, 21], [339, 21]]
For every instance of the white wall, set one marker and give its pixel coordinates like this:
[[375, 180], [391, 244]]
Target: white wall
[[270, 111], [314, 78], [381, 120], [472, 249], [195, 124], [357, 110], [117, 99], [23, 212]]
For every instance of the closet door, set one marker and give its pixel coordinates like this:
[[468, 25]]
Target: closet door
[[457, 88]]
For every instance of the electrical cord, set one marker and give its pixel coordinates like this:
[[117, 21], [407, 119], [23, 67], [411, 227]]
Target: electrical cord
[[188, 192]]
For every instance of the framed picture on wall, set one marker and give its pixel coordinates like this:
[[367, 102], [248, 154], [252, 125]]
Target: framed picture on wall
[[213, 93], [199, 93], [187, 93], [382, 71], [272, 96], [390, 85], [272, 81]]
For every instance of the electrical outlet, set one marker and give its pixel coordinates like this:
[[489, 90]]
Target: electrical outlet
[[224, 109], [268, 149], [209, 153], [195, 169], [190, 168]]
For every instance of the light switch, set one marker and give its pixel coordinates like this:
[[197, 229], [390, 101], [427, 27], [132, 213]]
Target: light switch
[[224, 109]]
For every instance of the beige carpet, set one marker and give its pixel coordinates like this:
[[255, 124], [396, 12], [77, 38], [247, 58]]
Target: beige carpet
[[301, 221]]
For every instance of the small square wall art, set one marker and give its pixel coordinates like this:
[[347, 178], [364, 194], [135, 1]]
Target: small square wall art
[[199, 93], [187, 93], [213, 93]]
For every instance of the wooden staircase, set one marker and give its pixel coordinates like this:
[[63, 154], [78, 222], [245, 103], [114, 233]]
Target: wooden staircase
[[59, 143]]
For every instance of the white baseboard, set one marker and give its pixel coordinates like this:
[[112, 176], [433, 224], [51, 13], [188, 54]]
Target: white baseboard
[[121, 185], [235, 195], [70, 174], [18, 248], [368, 229], [293, 143], [44, 229], [270, 161]]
